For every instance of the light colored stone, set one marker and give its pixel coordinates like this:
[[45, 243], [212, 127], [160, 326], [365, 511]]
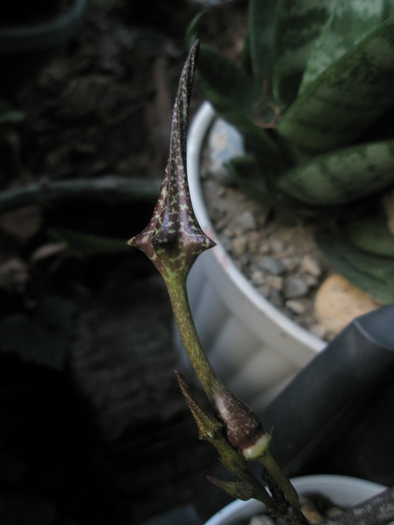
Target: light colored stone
[[275, 297], [257, 277], [275, 281], [265, 248], [291, 263], [261, 520], [338, 302], [277, 245], [272, 265], [311, 265], [318, 330], [295, 287], [239, 246], [246, 221], [296, 307]]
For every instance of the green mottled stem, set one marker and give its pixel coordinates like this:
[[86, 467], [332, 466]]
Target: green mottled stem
[[280, 478], [211, 384]]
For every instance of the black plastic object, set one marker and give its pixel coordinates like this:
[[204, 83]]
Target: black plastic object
[[337, 415]]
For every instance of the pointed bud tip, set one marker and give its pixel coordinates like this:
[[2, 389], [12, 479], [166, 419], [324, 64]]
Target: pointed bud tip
[[243, 427]]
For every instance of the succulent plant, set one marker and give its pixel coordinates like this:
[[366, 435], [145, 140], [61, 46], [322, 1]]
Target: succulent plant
[[173, 240], [313, 98]]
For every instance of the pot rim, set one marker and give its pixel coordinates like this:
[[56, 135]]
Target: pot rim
[[196, 137], [342, 489]]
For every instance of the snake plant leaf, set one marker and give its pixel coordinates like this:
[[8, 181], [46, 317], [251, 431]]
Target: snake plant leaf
[[388, 8], [298, 24], [346, 98], [348, 23], [371, 273], [371, 234], [342, 176], [261, 35]]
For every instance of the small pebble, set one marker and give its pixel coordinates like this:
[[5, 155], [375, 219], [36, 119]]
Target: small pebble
[[297, 307], [275, 297], [291, 263], [318, 330], [275, 281], [295, 287], [246, 221], [228, 232], [257, 277], [310, 280], [277, 245], [311, 265], [239, 246], [265, 248], [264, 290], [272, 265]]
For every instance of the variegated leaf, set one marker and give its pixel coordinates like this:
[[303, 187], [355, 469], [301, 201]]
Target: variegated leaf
[[348, 23], [346, 98], [371, 234], [298, 24], [261, 35], [373, 274], [342, 176]]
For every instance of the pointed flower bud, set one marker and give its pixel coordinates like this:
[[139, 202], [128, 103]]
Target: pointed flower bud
[[173, 238], [209, 429], [236, 489], [243, 427]]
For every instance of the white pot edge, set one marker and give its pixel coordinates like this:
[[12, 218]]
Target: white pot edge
[[343, 490], [197, 132]]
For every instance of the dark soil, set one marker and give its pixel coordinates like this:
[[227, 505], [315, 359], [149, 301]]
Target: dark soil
[[94, 429]]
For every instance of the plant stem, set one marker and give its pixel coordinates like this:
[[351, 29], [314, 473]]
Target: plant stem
[[280, 478], [176, 286]]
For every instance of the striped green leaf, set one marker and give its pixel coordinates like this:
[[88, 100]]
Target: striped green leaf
[[348, 23], [297, 26], [372, 235], [373, 274], [261, 36], [346, 98], [342, 176]]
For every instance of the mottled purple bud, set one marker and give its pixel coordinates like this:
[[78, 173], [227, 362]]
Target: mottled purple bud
[[243, 427], [173, 238]]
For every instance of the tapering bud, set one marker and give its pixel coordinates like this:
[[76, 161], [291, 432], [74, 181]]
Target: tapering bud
[[173, 238], [237, 489], [243, 427], [209, 429]]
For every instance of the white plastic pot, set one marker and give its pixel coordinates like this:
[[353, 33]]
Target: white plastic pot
[[342, 490], [254, 348]]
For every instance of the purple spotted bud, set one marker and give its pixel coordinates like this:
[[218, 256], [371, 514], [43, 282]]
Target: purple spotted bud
[[173, 238], [243, 427]]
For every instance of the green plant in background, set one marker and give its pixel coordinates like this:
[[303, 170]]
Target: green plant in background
[[173, 240], [313, 98]]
